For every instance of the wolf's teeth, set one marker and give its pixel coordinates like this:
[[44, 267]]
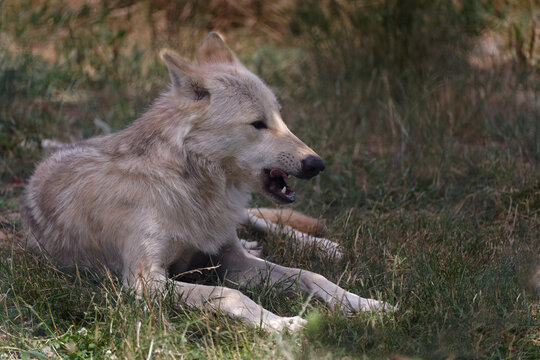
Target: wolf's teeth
[[284, 190]]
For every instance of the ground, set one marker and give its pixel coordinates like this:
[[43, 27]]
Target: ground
[[431, 139]]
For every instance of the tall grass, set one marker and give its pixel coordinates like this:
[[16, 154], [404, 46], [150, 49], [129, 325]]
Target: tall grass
[[431, 183]]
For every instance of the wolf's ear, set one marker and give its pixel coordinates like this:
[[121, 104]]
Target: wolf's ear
[[185, 78], [213, 50]]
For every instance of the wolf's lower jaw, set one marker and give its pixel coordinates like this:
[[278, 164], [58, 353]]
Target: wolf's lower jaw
[[276, 186]]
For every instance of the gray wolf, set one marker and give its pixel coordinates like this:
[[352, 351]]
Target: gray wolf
[[147, 200]]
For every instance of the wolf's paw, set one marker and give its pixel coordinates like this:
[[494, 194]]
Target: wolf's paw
[[252, 247], [374, 305], [292, 324], [332, 249], [354, 303]]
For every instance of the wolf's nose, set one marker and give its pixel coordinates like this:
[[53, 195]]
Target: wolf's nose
[[311, 166]]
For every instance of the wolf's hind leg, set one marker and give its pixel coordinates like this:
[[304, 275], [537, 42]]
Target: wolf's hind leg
[[294, 219], [215, 298], [262, 224]]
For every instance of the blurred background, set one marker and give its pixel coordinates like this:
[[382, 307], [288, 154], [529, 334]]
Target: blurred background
[[414, 80], [427, 114]]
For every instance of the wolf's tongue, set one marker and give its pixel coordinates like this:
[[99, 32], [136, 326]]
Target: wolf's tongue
[[279, 173]]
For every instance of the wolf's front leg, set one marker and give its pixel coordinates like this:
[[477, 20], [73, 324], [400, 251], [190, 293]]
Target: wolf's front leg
[[216, 298], [242, 268]]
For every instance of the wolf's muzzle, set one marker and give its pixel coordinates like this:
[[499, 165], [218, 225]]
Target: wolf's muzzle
[[311, 166]]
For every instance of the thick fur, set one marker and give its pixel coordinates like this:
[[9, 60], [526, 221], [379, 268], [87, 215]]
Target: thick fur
[[175, 184]]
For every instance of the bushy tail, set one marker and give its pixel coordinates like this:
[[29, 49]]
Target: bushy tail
[[294, 219]]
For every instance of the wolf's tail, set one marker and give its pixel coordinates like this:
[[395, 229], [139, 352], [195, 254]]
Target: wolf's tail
[[294, 219]]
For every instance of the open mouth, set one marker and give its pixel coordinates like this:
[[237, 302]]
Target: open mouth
[[277, 186]]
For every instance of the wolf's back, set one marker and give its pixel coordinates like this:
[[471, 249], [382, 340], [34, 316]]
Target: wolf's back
[[58, 201]]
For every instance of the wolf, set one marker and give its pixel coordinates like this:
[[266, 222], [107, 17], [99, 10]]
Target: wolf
[[147, 201]]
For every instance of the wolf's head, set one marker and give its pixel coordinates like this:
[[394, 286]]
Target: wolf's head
[[236, 122]]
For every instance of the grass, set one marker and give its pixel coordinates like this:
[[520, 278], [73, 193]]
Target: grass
[[431, 183]]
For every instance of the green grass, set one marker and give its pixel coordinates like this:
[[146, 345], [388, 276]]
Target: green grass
[[432, 182]]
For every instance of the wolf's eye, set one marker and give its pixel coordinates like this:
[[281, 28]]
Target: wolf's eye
[[259, 125]]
